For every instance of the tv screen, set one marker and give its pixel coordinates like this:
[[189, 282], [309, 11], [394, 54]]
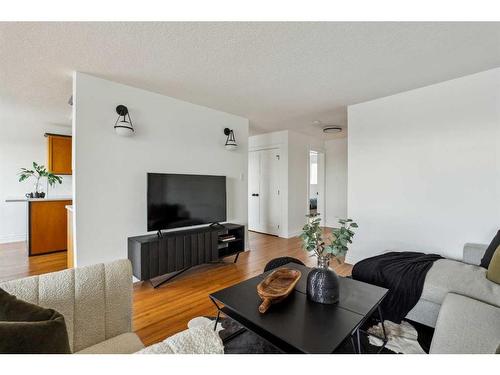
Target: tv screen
[[181, 200]]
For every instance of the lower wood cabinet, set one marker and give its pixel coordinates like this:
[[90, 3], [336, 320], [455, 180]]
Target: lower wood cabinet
[[48, 229]]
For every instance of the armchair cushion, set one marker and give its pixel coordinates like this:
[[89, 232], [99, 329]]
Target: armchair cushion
[[126, 343], [28, 329]]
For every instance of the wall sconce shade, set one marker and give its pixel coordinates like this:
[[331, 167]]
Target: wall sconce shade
[[230, 141], [123, 126]]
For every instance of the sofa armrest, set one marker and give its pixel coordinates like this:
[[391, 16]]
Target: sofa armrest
[[466, 326], [473, 253]]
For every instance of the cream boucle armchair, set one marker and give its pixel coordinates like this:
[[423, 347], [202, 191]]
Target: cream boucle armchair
[[96, 302]]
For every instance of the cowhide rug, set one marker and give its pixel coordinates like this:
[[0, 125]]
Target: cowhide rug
[[402, 338]]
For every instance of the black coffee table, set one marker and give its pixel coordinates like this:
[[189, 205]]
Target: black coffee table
[[298, 325]]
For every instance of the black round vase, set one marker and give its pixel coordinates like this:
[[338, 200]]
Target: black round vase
[[323, 286]]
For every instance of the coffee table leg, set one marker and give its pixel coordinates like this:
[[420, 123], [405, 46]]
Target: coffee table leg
[[358, 338], [353, 345], [217, 320], [382, 321]]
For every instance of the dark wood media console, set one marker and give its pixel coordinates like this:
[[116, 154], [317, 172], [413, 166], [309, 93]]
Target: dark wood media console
[[177, 251]]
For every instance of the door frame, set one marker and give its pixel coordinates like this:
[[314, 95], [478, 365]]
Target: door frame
[[282, 224], [321, 186]]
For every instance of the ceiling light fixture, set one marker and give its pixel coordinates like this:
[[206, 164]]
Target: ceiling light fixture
[[123, 127], [327, 129], [332, 129]]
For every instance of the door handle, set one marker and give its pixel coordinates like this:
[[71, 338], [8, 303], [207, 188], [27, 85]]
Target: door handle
[[255, 195]]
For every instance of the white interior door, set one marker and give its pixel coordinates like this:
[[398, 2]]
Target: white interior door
[[264, 203], [270, 207]]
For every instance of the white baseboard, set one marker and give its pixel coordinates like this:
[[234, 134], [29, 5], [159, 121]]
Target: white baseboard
[[12, 238]]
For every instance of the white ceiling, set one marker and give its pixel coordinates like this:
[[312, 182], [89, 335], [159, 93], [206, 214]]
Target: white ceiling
[[278, 75]]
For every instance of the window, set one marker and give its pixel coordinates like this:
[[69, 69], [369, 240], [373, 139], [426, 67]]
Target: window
[[313, 173]]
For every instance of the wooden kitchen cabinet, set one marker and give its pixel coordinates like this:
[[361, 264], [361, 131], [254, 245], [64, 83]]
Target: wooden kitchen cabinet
[[48, 229], [59, 154]]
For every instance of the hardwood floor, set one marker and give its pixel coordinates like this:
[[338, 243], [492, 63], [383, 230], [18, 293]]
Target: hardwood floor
[[15, 263], [161, 312]]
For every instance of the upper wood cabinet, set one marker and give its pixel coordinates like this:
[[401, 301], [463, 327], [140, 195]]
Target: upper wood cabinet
[[59, 153]]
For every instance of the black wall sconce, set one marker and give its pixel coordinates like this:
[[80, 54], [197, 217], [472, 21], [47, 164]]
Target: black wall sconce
[[123, 127], [230, 141]]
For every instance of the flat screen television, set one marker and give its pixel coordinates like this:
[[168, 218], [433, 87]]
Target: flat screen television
[[181, 200]]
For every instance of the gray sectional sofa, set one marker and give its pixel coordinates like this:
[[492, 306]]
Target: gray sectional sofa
[[462, 304]]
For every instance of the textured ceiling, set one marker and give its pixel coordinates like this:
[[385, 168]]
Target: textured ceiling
[[278, 75]]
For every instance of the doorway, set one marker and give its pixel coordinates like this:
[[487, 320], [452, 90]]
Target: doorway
[[316, 196], [264, 203]]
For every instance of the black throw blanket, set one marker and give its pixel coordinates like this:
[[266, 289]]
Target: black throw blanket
[[403, 273]]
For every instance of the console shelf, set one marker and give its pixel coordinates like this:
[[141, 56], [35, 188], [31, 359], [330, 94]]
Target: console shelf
[[152, 256]]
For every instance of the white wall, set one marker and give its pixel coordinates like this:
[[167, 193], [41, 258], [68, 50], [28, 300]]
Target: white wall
[[171, 136], [299, 147], [336, 180], [21, 143], [424, 168]]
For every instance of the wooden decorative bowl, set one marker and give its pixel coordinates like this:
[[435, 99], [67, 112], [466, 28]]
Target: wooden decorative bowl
[[277, 286]]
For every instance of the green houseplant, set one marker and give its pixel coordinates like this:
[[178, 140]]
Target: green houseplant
[[324, 244], [323, 283], [37, 173]]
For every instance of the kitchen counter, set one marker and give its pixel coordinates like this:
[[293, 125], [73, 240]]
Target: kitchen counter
[[46, 223], [54, 198]]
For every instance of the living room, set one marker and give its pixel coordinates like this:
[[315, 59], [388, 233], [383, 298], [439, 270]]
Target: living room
[[250, 188]]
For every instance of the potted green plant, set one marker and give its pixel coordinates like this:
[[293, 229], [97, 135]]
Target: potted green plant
[[322, 283], [37, 173]]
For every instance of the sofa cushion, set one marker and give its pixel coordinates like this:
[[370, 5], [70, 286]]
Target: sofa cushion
[[493, 273], [495, 242], [29, 329], [449, 276], [425, 312], [466, 326], [126, 343]]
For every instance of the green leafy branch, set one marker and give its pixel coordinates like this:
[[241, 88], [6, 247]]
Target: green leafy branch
[[37, 173], [339, 238]]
